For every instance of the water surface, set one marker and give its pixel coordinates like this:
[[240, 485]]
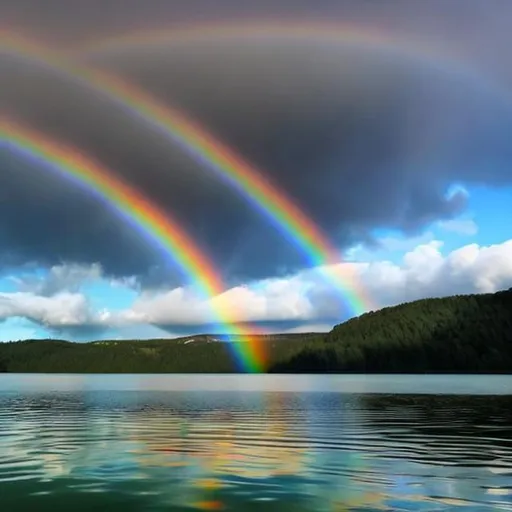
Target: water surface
[[301, 443]]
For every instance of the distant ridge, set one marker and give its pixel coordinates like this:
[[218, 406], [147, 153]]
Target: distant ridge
[[224, 338]]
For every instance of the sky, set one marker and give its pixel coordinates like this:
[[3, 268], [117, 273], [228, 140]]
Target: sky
[[388, 124]]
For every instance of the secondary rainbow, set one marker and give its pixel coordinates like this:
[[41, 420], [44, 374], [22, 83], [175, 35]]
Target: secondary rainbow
[[259, 31], [431, 52], [141, 214], [252, 184]]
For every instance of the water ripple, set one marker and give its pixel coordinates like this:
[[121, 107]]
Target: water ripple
[[249, 450]]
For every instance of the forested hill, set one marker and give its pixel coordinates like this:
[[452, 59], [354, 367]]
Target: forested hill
[[202, 353], [461, 334]]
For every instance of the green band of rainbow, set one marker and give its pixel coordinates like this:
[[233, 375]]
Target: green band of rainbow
[[143, 215], [230, 167]]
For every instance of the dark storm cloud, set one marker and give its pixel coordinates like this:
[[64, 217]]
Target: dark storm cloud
[[57, 221], [357, 140], [452, 21], [48, 221]]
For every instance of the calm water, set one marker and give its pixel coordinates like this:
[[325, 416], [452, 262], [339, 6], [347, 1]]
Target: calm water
[[255, 443]]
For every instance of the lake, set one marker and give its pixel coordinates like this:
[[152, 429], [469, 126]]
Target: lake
[[255, 442]]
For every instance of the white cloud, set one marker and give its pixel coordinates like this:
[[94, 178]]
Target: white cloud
[[61, 310], [460, 226], [423, 272], [304, 298], [59, 278], [273, 299]]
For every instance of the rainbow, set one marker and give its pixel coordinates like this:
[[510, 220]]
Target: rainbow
[[269, 32], [261, 31], [430, 52], [248, 181], [141, 214]]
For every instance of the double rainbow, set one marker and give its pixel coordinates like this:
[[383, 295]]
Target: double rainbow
[[231, 168], [142, 215]]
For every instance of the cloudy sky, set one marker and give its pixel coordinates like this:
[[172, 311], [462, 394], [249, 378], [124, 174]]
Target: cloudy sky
[[388, 123]]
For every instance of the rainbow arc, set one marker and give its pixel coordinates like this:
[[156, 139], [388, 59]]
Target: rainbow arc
[[144, 216], [248, 181]]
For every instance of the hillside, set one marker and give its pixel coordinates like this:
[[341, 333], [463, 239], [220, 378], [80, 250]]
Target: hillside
[[460, 334], [190, 354]]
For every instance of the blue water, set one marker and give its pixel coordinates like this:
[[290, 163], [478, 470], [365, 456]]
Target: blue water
[[301, 443]]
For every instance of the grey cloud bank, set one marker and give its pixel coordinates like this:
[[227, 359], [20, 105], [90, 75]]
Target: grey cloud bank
[[358, 139]]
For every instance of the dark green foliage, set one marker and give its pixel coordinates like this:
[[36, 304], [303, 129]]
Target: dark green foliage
[[461, 334], [130, 356]]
